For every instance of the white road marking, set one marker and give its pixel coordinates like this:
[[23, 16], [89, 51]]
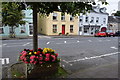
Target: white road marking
[[13, 46], [78, 41], [4, 44], [113, 47], [5, 60], [89, 40], [0, 45], [94, 57], [48, 43], [64, 41], [26, 44]]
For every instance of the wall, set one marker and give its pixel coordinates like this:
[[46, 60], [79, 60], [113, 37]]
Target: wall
[[17, 31], [47, 24]]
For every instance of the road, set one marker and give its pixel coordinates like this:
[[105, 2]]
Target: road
[[77, 54]]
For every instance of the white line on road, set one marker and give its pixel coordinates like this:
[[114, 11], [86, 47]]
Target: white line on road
[[89, 40], [26, 44], [113, 47], [78, 41], [64, 41], [48, 43], [4, 44], [93, 57], [5, 60]]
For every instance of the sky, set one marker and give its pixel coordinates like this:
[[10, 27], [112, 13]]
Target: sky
[[112, 6]]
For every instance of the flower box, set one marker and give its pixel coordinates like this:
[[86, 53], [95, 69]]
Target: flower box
[[43, 63], [43, 70]]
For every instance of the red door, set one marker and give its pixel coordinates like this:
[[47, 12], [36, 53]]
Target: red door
[[103, 29], [63, 29]]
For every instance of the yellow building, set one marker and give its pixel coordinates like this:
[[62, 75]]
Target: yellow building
[[57, 23]]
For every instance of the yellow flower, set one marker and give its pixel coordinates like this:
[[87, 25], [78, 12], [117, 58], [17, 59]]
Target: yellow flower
[[35, 52], [30, 53]]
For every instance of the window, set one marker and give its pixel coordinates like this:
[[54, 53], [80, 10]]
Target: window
[[80, 18], [86, 19], [71, 18], [86, 30], [54, 28], [104, 20], [80, 28], [71, 28], [97, 20], [54, 16], [1, 30], [62, 16], [23, 29], [92, 20]]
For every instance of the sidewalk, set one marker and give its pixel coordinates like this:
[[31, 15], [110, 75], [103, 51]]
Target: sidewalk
[[104, 71]]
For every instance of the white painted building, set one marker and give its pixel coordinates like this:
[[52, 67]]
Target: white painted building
[[119, 6], [94, 21]]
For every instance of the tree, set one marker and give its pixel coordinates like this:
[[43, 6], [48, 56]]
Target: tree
[[12, 16], [117, 13]]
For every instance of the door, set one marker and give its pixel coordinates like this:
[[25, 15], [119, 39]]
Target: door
[[103, 29], [63, 29]]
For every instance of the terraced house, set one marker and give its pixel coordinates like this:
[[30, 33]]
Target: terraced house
[[58, 23]]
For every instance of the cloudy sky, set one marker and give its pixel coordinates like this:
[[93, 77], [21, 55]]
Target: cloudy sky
[[112, 6]]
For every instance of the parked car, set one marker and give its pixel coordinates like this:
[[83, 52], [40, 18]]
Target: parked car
[[117, 33], [110, 33], [100, 34]]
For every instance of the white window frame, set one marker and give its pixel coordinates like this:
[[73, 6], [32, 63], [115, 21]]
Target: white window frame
[[23, 29], [54, 28], [97, 19], [71, 18], [71, 28], [54, 16], [104, 20], [92, 20], [86, 19], [62, 17]]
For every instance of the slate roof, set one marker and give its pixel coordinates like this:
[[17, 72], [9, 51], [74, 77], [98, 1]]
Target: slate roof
[[113, 19]]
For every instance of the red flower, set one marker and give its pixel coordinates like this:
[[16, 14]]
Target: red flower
[[47, 55], [32, 57], [54, 58], [40, 58], [31, 50], [34, 62], [26, 62], [56, 54], [47, 59], [40, 62]]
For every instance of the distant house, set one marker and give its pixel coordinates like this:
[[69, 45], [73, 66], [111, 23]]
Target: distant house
[[58, 23], [22, 30], [96, 20], [114, 23]]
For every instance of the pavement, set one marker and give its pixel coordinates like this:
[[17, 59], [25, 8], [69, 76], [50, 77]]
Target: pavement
[[104, 71], [45, 36]]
